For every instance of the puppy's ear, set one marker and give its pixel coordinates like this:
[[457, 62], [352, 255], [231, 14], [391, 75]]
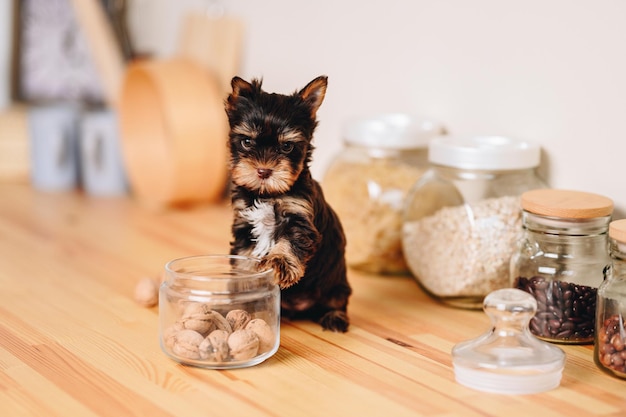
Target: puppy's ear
[[240, 86], [313, 94], [242, 89]]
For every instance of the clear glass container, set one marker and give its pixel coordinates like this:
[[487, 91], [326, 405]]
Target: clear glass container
[[508, 359], [610, 339], [366, 184], [219, 311], [560, 259], [462, 218]]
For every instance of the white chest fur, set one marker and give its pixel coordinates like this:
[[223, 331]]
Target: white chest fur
[[263, 221]]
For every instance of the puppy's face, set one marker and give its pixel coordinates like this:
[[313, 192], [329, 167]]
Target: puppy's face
[[270, 134]]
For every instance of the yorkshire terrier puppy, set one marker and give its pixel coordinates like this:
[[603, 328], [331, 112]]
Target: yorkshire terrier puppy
[[280, 214]]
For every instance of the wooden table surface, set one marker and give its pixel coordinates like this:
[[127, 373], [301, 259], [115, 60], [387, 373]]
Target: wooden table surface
[[73, 342]]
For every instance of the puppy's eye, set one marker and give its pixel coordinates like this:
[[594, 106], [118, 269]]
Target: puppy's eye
[[286, 147], [247, 143]]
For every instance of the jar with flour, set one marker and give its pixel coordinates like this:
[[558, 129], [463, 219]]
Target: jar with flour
[[462, 219], [367, 182]]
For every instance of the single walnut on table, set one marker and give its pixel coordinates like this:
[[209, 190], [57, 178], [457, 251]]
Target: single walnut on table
[[147, 292]]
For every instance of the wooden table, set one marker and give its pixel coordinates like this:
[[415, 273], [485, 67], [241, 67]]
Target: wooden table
[[73, 342]]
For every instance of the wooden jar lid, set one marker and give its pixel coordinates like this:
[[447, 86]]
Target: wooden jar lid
[[174, 132], [566, 204], [617, 230]]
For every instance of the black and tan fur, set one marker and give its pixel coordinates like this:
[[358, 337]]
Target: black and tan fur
[[280, 214]]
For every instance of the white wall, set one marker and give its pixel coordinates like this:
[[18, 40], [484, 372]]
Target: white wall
[[551, 71]]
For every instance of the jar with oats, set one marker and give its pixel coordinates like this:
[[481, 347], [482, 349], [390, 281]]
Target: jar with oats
[[560, 261], [462, 219], [367, 182], [610, 339]]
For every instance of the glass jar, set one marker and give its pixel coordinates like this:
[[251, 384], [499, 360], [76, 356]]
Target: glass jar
[[367, 182], [218, 311], [462, 218], [560, 261], [610, 340]]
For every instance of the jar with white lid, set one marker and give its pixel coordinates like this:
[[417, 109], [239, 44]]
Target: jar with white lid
[[560, 260], [462, 218], [610, 339], [366, 184]]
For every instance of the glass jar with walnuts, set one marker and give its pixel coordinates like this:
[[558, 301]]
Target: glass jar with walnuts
[[219, 311]]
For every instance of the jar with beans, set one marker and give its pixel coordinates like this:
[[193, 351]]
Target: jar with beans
[[610, 339], [462, 218], [560, 260]]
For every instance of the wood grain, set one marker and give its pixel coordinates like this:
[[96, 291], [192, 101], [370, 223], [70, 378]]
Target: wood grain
[[74, 343]]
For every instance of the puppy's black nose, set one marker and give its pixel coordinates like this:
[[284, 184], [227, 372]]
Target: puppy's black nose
[[264, 173]]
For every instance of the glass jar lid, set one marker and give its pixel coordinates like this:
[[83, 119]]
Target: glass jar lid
[[566, 204], [483, 152], [508, 359], [391, 131]]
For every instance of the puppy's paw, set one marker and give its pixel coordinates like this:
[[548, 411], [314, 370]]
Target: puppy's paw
[[287, 271], [336, 321]]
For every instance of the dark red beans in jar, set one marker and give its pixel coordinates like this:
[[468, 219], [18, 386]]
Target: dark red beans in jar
[[560, 260], [565, 311], [610, 341]]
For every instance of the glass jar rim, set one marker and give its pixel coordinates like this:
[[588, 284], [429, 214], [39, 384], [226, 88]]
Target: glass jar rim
[[565, 226], [216, 274]]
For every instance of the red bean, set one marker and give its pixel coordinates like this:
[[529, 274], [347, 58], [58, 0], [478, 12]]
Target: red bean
[[617, 342]]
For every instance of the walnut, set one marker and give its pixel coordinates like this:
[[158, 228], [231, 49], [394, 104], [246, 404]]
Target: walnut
[[200, 317], [238, 319], [221, 323], [186, 344], [264, 333], [169, 334], [215, 346], [243, 344], [202, 333], [147, 292]]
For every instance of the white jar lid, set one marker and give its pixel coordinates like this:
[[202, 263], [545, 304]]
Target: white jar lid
[[391, 131], [483, 152]]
